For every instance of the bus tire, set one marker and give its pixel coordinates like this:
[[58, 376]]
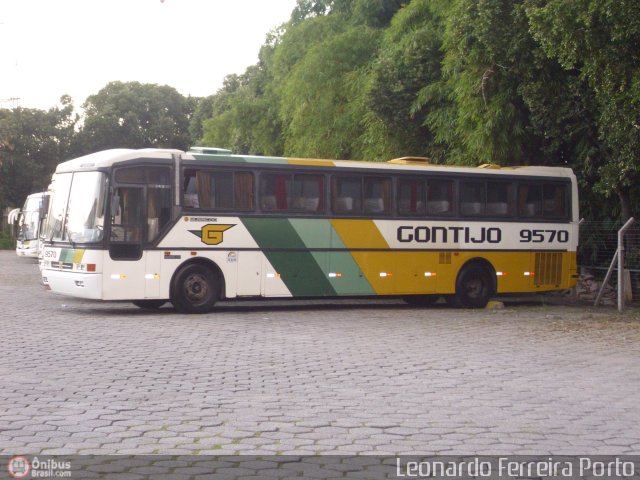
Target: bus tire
[[474, 286], [194, 289], [149, 304]]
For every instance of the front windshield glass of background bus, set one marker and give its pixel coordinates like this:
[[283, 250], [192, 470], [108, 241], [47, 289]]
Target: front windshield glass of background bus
[[60, 193], [30, 219], [85, 215]]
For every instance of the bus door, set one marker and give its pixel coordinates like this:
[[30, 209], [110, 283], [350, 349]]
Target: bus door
[[140, 209]]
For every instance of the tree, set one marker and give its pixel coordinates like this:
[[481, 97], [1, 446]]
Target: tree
[[599, 39], [408, 60], [484, 119], [244, 114], [135, 115], [32, 143], [320, 104]]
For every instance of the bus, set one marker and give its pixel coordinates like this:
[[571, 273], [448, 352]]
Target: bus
[[153, 226], [30, 221]]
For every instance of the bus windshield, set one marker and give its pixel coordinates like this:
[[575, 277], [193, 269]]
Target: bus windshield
[[77, 209], [30, 218]]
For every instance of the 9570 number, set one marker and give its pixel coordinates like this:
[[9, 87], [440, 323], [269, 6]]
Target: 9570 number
[[544, 236]]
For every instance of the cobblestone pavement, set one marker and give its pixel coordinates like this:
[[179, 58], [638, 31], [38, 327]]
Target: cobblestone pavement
[[312, 378]]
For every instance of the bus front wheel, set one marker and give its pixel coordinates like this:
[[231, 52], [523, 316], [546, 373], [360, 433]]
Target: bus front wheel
[[194, 289], [474, 287]]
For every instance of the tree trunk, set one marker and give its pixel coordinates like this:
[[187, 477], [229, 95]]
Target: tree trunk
[[625, 204]]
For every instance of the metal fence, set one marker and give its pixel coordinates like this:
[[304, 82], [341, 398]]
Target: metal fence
[[598, 245]]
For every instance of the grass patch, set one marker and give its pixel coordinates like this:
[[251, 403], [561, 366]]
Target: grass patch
[[6, 242]]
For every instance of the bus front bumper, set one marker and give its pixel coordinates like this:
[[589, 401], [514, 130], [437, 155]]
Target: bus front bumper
[[74, 284]]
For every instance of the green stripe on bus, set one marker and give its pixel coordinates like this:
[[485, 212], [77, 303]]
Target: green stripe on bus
[[313, 233], [352, 280], [240, 159], [298, 269], [66, 255], [347, 278]]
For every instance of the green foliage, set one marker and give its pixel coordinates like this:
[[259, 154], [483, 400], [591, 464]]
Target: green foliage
[[135, 115], [410, 56], [488, 53], [319, 104], [599, 39], [32, 142], [6, 242]]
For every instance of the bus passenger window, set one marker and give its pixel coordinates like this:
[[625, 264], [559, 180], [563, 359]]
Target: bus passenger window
[[411, 195], [499, 199], [221, 190], [554, 200], [243, 190], [275, 191], [308, 193], [346, 194], [215, 189], [529, 200], [439, 197], [158, 209], [472, 198], [377, 195]]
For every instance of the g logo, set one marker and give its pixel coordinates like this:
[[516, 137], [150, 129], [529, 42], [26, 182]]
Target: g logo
[[212, 234]]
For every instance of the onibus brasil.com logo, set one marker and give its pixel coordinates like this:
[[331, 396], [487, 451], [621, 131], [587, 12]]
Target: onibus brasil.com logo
[[20, 467]]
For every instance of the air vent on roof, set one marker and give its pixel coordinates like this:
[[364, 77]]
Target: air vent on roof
[[210, 150]]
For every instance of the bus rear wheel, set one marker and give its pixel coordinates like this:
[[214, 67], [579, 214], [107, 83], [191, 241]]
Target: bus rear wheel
[[195, 289], [474, 287]]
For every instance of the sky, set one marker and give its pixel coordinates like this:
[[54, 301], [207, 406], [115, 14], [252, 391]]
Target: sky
[[49, 48]]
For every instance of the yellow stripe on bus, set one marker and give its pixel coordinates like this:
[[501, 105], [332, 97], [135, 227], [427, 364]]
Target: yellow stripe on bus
[[377, 266], [312, 162]]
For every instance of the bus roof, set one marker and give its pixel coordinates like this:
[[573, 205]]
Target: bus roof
[[107, 158]]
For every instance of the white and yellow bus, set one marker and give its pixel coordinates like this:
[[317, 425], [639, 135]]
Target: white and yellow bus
[[191, 228]]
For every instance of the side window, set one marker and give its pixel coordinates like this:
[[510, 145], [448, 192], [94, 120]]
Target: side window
[[131, 175], [243, 190], [554, 201], [158, 201], [529, 200], [499, 199], [127, 213], [440, 197], [346, 194], [411, 197], [275, 191], [377, 195], [218, 190], [472, 198], [548, 200], [308, 193]]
